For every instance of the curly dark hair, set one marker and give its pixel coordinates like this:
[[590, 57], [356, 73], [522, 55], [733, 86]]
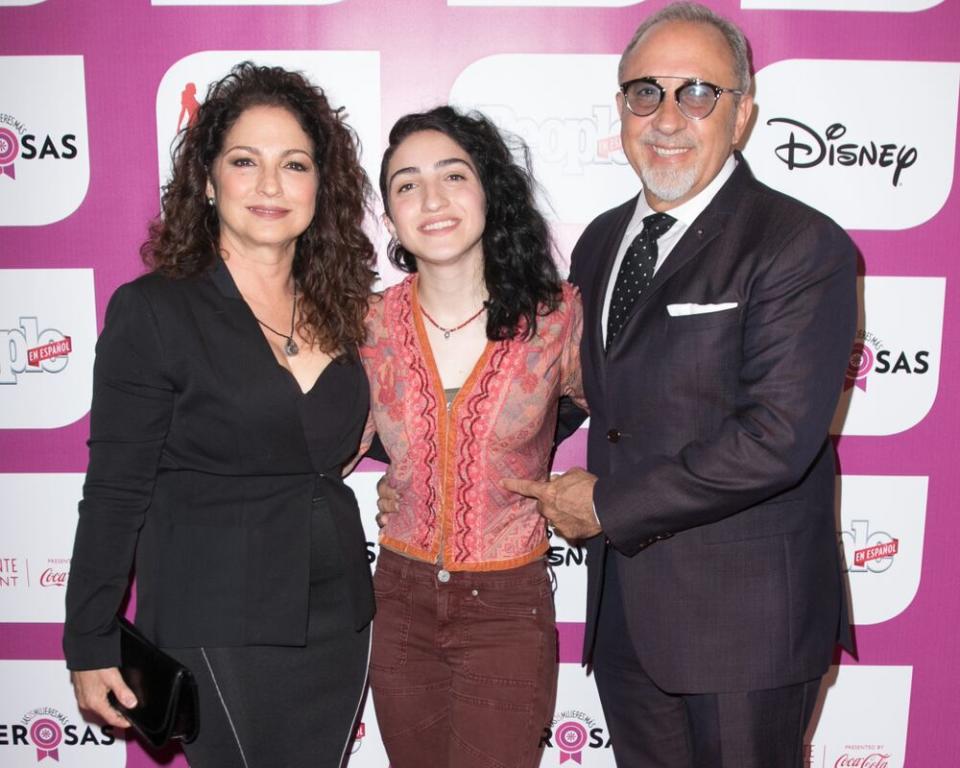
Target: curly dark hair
[[334, 260], [518, 266]]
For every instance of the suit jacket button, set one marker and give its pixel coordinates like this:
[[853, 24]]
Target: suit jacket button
[[613, 435]]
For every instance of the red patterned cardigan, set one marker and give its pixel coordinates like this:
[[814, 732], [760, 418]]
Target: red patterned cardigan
[[447, 463]]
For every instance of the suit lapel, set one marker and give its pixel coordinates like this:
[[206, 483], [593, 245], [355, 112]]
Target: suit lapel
[[694, 240], [703, 231], [607, 250], [705, 228]]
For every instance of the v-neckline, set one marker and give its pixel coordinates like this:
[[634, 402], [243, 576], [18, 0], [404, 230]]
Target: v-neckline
[[276, 361], [427, 352], [304, 392]]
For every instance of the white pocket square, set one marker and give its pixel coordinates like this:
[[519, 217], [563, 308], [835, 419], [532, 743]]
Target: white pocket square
[[683, 310]]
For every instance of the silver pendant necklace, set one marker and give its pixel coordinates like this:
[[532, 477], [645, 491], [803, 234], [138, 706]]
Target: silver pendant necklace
[[290, 347]]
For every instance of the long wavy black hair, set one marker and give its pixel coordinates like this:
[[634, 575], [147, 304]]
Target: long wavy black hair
[[518, 267], [334, 260]]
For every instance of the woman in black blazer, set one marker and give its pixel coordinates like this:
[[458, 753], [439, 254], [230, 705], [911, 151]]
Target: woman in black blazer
[[227, 398]]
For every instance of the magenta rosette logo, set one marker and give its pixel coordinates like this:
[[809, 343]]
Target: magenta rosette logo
[[9, 149], [571, 738], [861, 363], [46, 737]]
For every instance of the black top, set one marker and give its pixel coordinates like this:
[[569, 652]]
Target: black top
[[333, 413], [204, 459]]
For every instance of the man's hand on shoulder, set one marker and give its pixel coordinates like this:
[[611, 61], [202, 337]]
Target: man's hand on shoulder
[[566, 501]]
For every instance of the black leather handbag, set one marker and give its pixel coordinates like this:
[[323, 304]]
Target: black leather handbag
[[166, 692]]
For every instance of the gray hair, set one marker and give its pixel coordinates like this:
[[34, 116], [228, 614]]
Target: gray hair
[[699, 14]]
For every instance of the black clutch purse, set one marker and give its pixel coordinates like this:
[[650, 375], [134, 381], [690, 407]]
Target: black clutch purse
[[166, 692]]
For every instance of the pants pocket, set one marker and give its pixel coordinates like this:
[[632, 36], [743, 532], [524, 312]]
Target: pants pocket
[[391, 625], [509, 634]]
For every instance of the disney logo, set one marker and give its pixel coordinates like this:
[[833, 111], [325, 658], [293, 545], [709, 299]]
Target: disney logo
[[805, 148]]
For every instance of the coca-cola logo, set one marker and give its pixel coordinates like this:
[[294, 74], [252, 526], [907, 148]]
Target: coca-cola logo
[[805, 148], [17, 572], [871, 760], [51, 577]]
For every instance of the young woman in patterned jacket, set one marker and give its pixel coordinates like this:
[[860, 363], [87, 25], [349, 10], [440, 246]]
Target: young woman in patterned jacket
[[467, 359]]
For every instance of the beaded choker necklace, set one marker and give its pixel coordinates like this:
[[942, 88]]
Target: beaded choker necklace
[[448, 331]]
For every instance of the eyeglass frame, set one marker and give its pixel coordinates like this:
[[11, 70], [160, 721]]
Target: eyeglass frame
[[718, 91]]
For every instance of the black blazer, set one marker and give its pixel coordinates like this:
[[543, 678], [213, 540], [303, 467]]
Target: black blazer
[[709, 434], [199, 462]]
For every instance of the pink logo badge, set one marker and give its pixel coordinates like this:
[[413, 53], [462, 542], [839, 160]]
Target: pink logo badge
[[861, 363], [46, 736], [571, 738], [9, 149]]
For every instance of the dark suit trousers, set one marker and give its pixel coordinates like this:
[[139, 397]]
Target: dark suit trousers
[[651, 728]]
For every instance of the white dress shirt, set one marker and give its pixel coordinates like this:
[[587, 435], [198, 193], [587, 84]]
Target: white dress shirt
[[685, 214]]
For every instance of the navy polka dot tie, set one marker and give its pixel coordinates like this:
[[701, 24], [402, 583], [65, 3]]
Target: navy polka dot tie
[[636, 271]]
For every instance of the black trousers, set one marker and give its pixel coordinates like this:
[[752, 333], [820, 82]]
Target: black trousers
[[653, 728]]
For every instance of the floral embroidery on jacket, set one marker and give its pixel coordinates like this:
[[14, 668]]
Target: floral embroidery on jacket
[[447, 463]]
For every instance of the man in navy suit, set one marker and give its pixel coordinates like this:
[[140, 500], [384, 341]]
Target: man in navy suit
[[714, 348]]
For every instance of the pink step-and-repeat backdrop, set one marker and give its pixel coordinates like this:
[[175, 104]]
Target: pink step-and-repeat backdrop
[[857, 115]]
